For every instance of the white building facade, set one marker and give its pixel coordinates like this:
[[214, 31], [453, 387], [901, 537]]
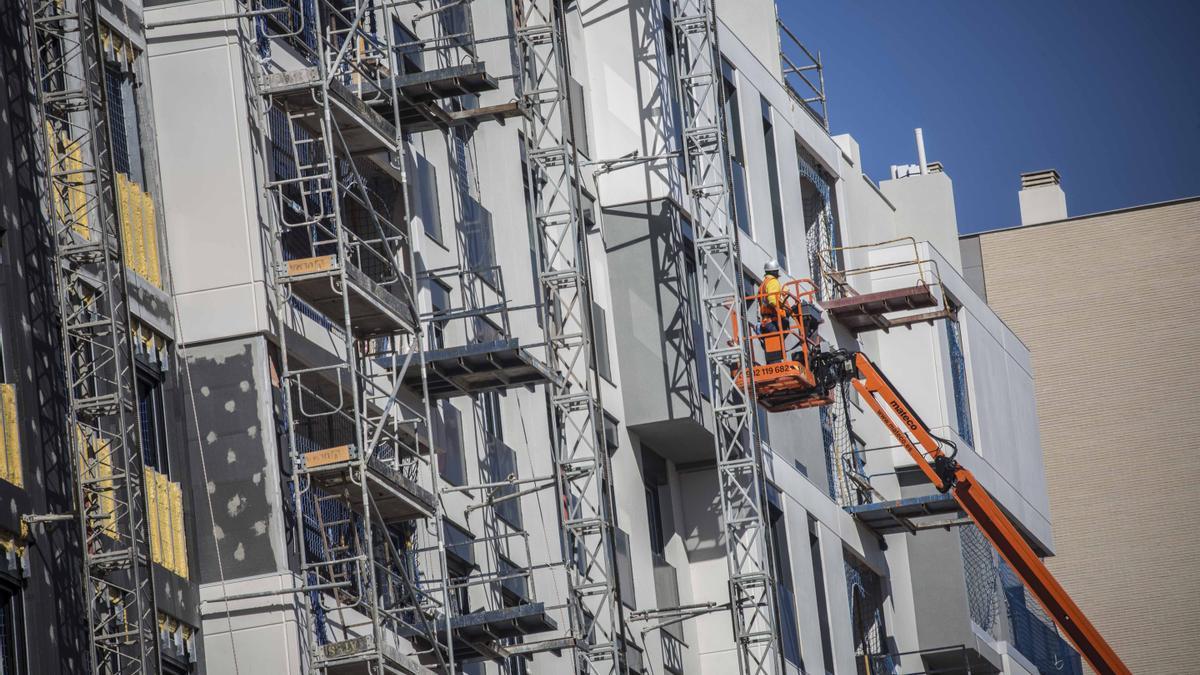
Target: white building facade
[[326, 222]]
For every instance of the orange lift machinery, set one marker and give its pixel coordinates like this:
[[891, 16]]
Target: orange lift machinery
[[792, 369]]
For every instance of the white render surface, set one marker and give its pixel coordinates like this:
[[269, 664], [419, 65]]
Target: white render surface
[[216, 241]]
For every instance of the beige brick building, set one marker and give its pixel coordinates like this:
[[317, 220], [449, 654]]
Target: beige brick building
[[1107, 304]]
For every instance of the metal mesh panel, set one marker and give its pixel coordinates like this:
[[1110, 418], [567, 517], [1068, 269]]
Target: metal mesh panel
[[842, 457], [866, 609], [820, 236], [1033, 631], [980, 567], [958, 371], [116, 119]]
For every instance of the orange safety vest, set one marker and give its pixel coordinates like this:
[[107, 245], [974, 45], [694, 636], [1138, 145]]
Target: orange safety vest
[[770, 292]]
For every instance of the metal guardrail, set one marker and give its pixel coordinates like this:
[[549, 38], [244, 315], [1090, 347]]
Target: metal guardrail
[[833, 267], [796, 75]]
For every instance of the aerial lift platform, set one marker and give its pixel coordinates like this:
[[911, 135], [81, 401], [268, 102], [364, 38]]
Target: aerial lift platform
[[791, 369]]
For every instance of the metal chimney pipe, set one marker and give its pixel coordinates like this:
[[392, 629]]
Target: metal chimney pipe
[[921, 152]]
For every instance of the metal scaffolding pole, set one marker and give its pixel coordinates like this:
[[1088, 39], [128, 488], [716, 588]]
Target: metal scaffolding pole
[[580, 456], [98, 356], [719, 282]]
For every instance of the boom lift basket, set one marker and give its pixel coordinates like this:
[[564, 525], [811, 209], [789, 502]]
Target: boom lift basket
[[782, 336]]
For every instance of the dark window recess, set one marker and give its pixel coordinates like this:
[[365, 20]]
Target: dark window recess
[[672, 86], [654, 519], [447, 437], [579, 118], [123, 123], [658, 499], [12, 633], [531, 221], [423, 194], [514, 581], [475, 221], [865, 589], [501, 460], [958, 373], [460, 563], [493, 425], [408, 48], [612, 429], [600, 337], [827, 440], [733, 140], [625, 569], [785, 592], [699, 348], [773, 179], [456, 26], [814, 543], [152, 420], [439, 303]]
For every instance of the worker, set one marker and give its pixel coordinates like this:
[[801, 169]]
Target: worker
[[772, 312]]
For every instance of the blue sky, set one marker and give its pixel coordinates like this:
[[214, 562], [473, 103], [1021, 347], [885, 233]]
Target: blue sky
[[1106, 92]]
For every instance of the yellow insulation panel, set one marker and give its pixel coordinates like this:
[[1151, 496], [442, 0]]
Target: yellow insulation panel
[[69, 195], [153, 271], [178, 540], [163, 512], [150, 485], [10, 435], [125, 209], [164, 515], [139, 230], [11, 543], [95, 463]]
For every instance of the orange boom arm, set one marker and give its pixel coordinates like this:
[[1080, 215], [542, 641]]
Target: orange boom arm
[[948, 476]]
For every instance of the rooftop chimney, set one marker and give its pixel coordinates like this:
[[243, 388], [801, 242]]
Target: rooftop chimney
[[1042, 198]]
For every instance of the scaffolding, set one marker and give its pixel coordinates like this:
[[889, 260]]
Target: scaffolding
[[719, 280], [577, 441], [378, 577], [97, 347], [364, 482]]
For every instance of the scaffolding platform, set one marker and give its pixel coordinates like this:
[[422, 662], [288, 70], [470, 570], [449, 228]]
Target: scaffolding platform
[[477, 635], [867, 311], [488, 113], [432, 85], [419, 94], [475, 368], [903, 515], [395, 498], [354, 657], [363, 129], [373, 310]]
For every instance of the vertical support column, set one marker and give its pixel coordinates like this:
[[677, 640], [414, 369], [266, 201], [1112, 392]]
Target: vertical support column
[[97, 348], [719, 271], [580, 457]]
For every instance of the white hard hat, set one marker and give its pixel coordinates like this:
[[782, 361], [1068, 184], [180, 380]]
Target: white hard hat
[[772, 267]]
